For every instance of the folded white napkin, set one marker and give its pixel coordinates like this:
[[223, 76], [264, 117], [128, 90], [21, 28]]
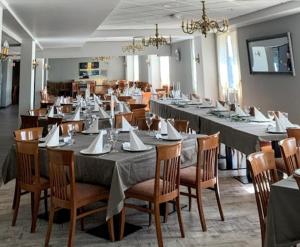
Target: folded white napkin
[[51, 112], [153, 91], [77, 114], [220, 107], [52, 139], [184, 96], [110, 91], [87, 94], [126, 92], [50, 132], [102, 113], [121, 107], [94, 127], [57, 102], [116, 99], [97, 144], [258, 116], [97, 99], [163, 127], [126, 126], [135, 142], [126, 108], [96, 107], [240, 112], [285, 120], [279, 125], [172, 132]]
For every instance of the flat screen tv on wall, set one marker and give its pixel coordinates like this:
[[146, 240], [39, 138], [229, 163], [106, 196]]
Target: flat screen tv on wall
[[272, 54]]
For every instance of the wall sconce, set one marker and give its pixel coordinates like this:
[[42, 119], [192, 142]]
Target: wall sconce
[[197, 59], [47, 66], [35, 63]]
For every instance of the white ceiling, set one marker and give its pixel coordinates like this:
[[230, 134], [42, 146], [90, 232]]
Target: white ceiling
[[71, 23]]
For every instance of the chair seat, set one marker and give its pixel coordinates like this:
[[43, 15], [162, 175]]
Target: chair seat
[[188, 175], [280, 165], [143, 190], [88, 193]]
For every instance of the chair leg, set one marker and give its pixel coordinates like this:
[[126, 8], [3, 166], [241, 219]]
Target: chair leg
[[36, 205], [150, 214], [166, 212], [50, 223], [157, 224], [15, 196], [46, 201], [122, 223], [17, 205], [190, 198], [72, 227], [178, 209], [80, 210], [200, 209], [217, 192], [111, 231]]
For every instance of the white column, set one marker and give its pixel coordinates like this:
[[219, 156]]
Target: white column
[[1, 22], [39, 80], [26, 95], [6, 89]]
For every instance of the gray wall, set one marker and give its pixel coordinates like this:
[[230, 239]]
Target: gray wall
[[63, 69], [143, 68], [6, 91], [271, 92]]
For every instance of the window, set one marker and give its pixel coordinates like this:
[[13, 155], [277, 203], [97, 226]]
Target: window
[[164, 63], [229, 67], [132, 70]]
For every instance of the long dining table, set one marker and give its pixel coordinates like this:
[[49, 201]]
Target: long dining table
[[243, 136], [117, 170]]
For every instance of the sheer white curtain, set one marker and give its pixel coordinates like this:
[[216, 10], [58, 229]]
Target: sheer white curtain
[[229, 67]]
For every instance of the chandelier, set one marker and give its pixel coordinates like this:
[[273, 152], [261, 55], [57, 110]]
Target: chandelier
[[133, 48], [4, 51], [102, 59], [205, 25], [157, 40]]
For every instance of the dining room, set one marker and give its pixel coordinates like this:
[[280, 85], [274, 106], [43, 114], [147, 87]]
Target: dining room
[[149, 123]]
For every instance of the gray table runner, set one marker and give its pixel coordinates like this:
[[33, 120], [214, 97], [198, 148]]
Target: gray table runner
[[243, 136], [283, 219], [119, 171]]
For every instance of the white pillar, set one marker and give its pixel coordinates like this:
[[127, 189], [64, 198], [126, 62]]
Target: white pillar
[[1, 22], [6, 89], [26, 95], [39, 80]]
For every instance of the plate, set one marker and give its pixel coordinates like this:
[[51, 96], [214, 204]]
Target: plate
[[166, 138], [297, 172], [43, 139], [275, 132], [43, 145], [106, 149], [85, 132], [127, 131], [126, 147]]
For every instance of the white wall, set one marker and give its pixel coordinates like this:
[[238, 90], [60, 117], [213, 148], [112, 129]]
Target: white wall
[[6, 88], [269, 91], [63, 69]]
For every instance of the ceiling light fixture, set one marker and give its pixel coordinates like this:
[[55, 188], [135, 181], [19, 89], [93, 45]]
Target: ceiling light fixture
[[157, 40], [4, 51], [133, 47], [104, 59], [204, 25]]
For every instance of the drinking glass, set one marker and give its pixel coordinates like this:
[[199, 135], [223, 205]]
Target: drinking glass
[[113, 138], [149, 119], [271, 115]]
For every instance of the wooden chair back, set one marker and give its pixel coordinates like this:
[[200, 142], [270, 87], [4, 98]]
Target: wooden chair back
[[30, 134], [294, 132], [167, 171], [29, 121], [138, 113], [67, 108], [290, 154], [38, 112], [124, 98], [62, 176], [207, 160], [68, 126], [28, 169], [146, 99], [131, 102], [54, 120], [181, 125], [118, 119], [264, 174], [266, 146], [137, 106]]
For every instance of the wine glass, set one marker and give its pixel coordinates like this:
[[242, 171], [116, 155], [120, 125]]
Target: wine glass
[[271, 115], [149, 119], [113, 138]]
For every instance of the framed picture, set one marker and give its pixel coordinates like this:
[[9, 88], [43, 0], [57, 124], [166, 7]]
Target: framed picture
[[83, 66], [95, 65]]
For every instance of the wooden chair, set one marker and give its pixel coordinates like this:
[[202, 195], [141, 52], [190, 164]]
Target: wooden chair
[[67, 126], [142, 125], [181, 125], [118, 119], [54, 120], [137, 106], [290, 154], [38, 112], [124, 98], [28, 134], [204, 175], [264, 173], [162, 189], [137, 113], [67, 108], [294, 132], [28, 179], [146, 99], [68, 194], [29, 121]]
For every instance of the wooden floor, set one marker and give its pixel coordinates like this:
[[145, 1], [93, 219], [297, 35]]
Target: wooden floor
[[241, 226]]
